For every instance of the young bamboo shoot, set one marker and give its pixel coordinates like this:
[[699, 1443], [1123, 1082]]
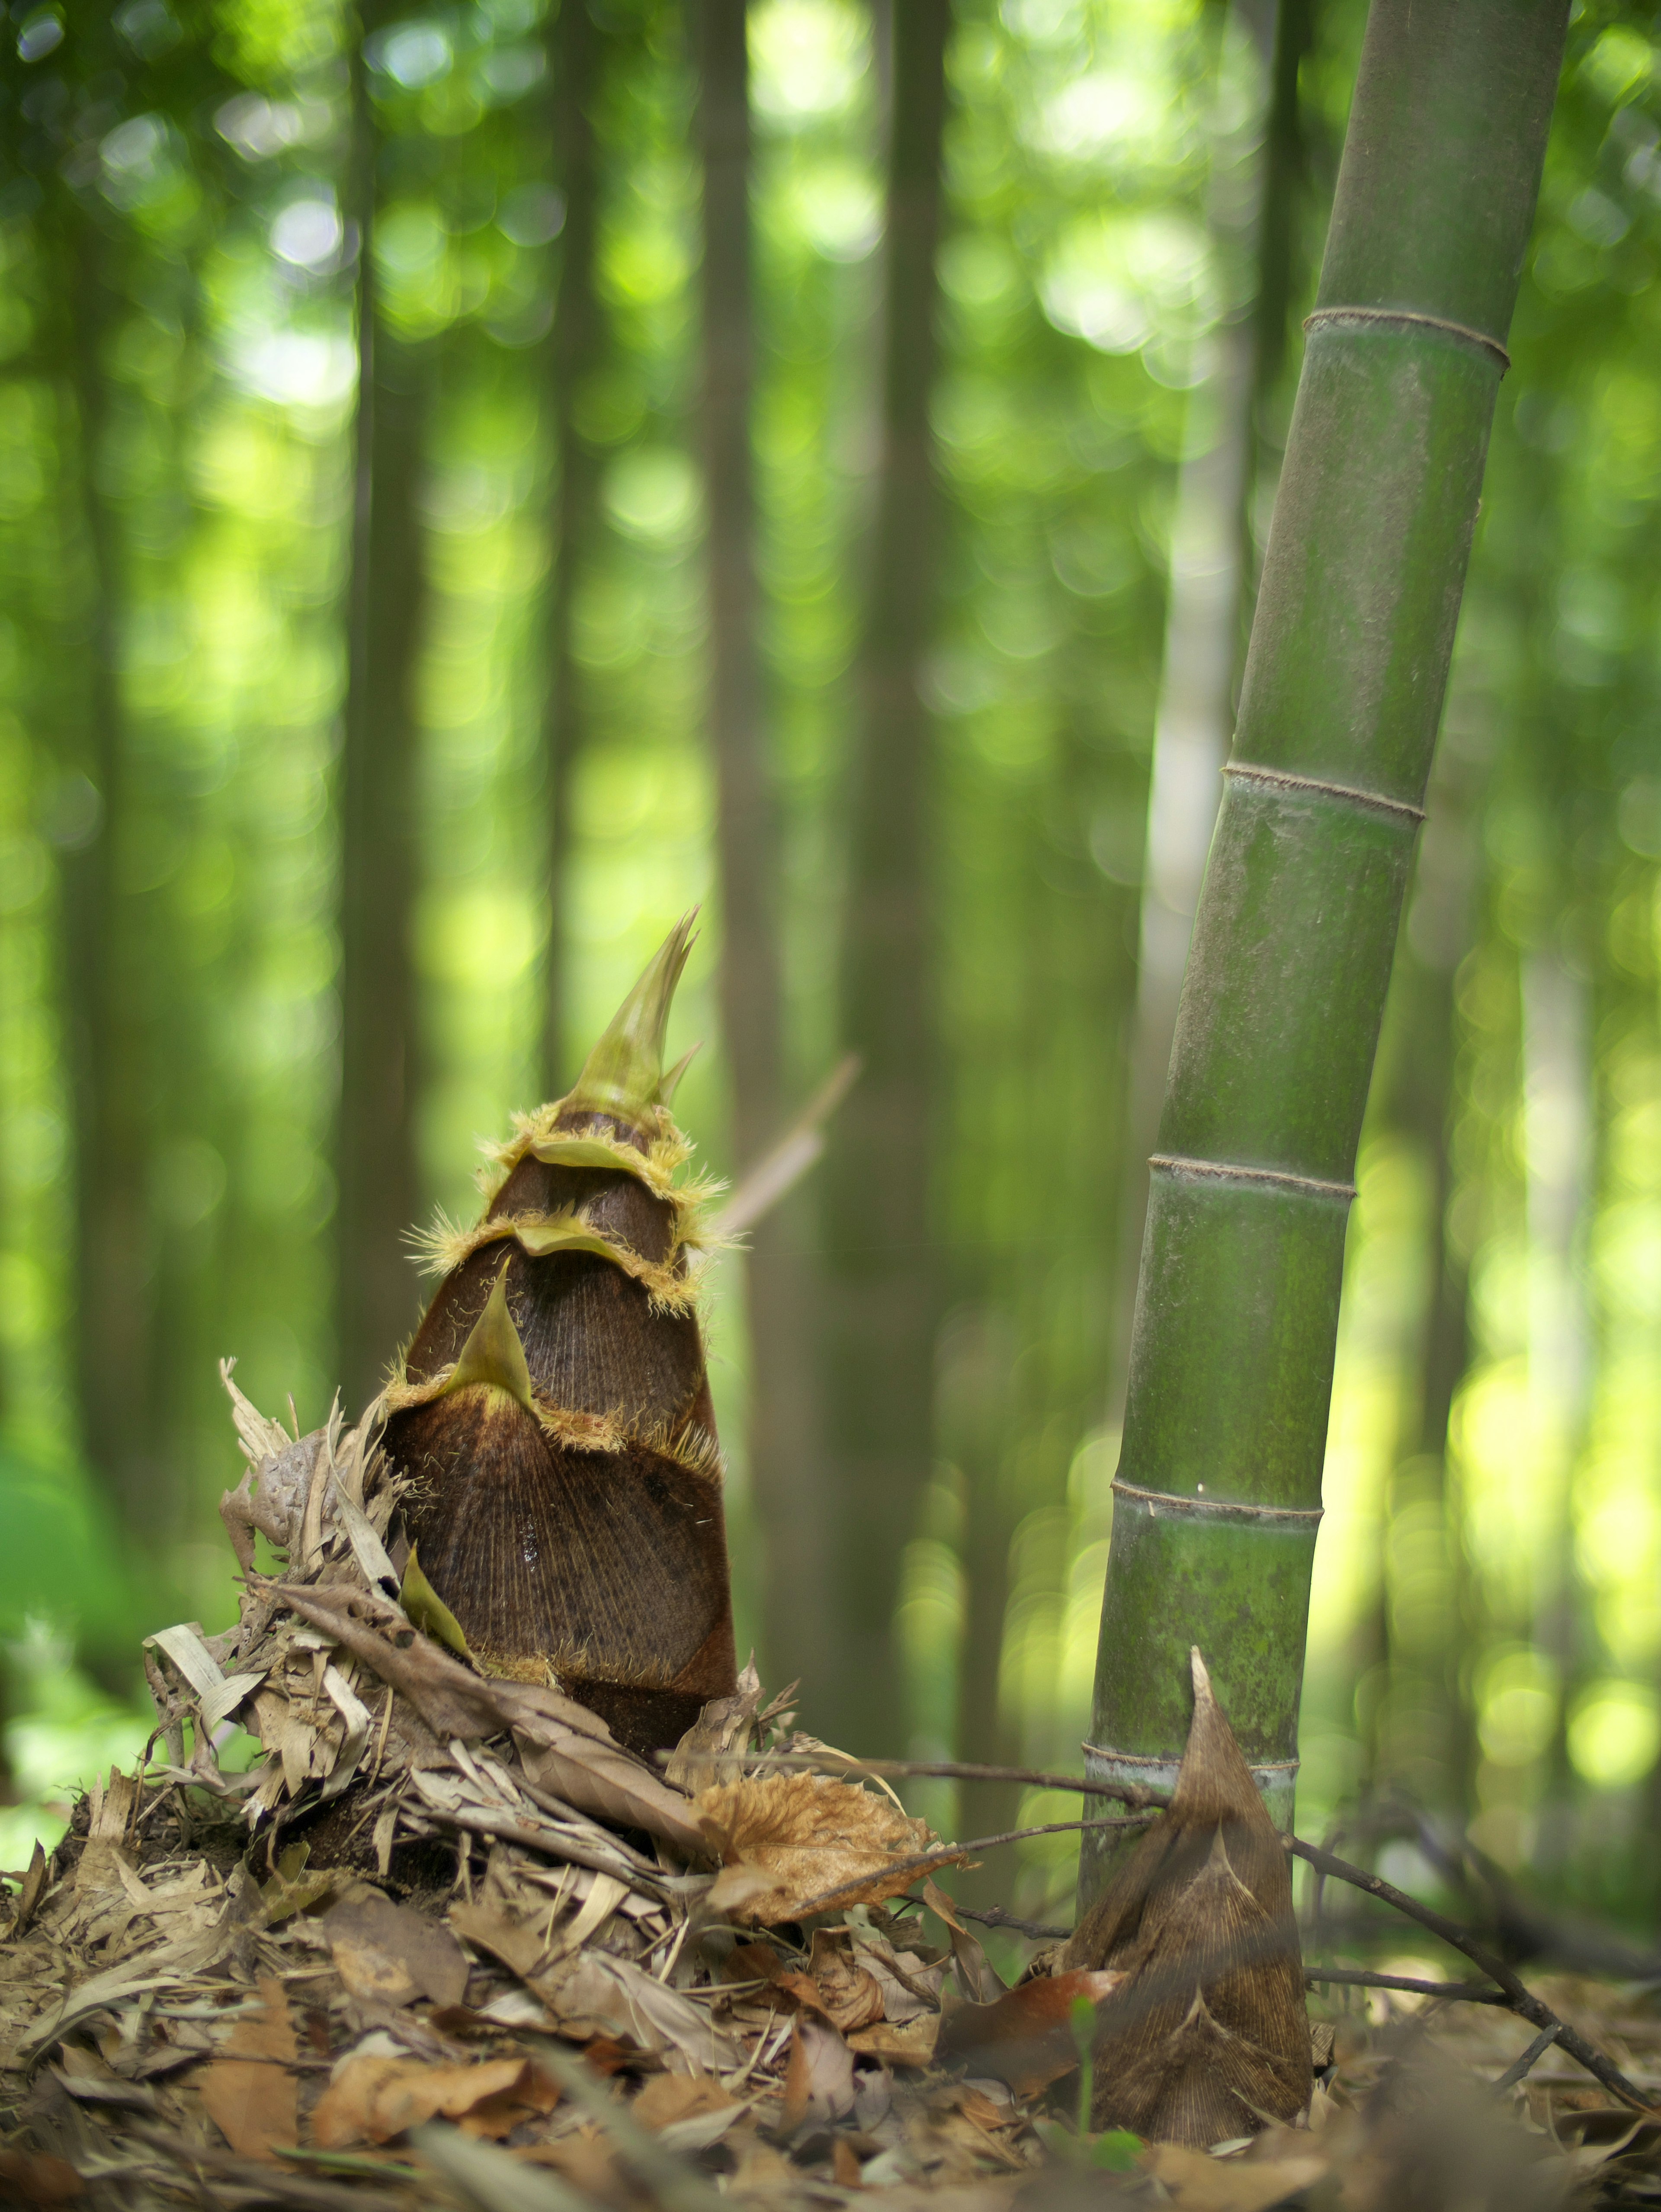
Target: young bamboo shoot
[[553, 1417]]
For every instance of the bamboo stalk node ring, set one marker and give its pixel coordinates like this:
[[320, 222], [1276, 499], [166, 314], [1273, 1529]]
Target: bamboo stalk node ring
[[1275, 1778], [1282, 779], [1232, 1171], [1405, 318], [1220, 1509]]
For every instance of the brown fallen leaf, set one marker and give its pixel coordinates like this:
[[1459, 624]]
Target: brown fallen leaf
[[782, 1986], [908, 1985], [1208, 2033], [30, 2179], [815, 1837], [1025, 2036], [1198, 2184], [254, 2104], [35, 1878], [390, 1953], [819, 2079], [668, 2099], [111, 1806], [911, 2043], [712, 1748], [850, 1996], [977, 1978], [371, 2099], [596, 1994]]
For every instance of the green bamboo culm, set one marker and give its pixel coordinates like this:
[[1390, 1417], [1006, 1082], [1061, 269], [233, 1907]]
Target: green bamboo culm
[[1218, 1493]]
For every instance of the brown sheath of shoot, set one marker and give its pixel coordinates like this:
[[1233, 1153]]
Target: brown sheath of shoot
[[553, 1419]]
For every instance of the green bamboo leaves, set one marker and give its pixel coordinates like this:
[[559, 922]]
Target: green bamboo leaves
[[1218, 1486], [552, 1418]]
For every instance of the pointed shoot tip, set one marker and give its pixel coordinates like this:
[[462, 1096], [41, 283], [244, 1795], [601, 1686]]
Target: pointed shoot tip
[[624, 1075]]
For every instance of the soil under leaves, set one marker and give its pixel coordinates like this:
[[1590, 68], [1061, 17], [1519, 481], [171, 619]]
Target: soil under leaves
[[448, 1943]]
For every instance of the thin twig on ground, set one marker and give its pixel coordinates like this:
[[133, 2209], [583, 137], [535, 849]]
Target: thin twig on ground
[[1528, 2060], [1360, 1978], [947, 1853], [994, 1917], [950, 1770], [1522, 1998]]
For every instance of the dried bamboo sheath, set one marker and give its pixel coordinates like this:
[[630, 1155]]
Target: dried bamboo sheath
[[1237, 1309], [552, 1418]]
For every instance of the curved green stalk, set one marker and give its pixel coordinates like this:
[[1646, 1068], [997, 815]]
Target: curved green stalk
[[1218, 1486]]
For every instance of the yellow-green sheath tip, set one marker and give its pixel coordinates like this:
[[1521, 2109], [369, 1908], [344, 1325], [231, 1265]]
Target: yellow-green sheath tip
[[425, 1606], [493, 1353], [624, 1075]]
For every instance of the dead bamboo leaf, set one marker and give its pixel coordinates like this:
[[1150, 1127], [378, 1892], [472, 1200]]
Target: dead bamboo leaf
[[1198, 2184], [712, 1748], [910, 2043], [1208, 2033], [571, 1746], [815, 1837], [36, 1876], [600, 1777], [977, 1979], [371, 2099], [781, 1986], [850, 1995], [248, 2091], [390, 1953], [818, 2081], [599, 1995], [671, 2100]]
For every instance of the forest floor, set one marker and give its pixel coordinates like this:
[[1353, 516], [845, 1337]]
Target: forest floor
[[478, 1954]]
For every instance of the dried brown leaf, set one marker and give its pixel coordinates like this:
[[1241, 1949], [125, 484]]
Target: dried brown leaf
[[977, 1979], [850, 1995], [1199, 2184], [371, 2099], [818, 2081], [668, 2099], [252, 2101], [599, 1995], [812, 1836], [909, 2043], [390, 1953], [572, 1748], [35, 1878], [712, 1747]]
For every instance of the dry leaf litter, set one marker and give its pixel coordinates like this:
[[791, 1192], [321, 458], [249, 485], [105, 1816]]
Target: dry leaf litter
[[447, 1943]]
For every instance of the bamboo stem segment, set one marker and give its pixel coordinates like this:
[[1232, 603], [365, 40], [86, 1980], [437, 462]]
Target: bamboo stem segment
[[1218, 1486]]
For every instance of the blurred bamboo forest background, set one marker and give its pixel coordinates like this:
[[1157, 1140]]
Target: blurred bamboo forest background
[[474, 481]]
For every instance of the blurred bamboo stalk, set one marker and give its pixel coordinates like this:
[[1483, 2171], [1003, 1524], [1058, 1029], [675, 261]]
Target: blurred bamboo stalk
[[114, 1363], [785, 1454], [1218, 1490], [879, 1285], [377, 1301], [575, 347]]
